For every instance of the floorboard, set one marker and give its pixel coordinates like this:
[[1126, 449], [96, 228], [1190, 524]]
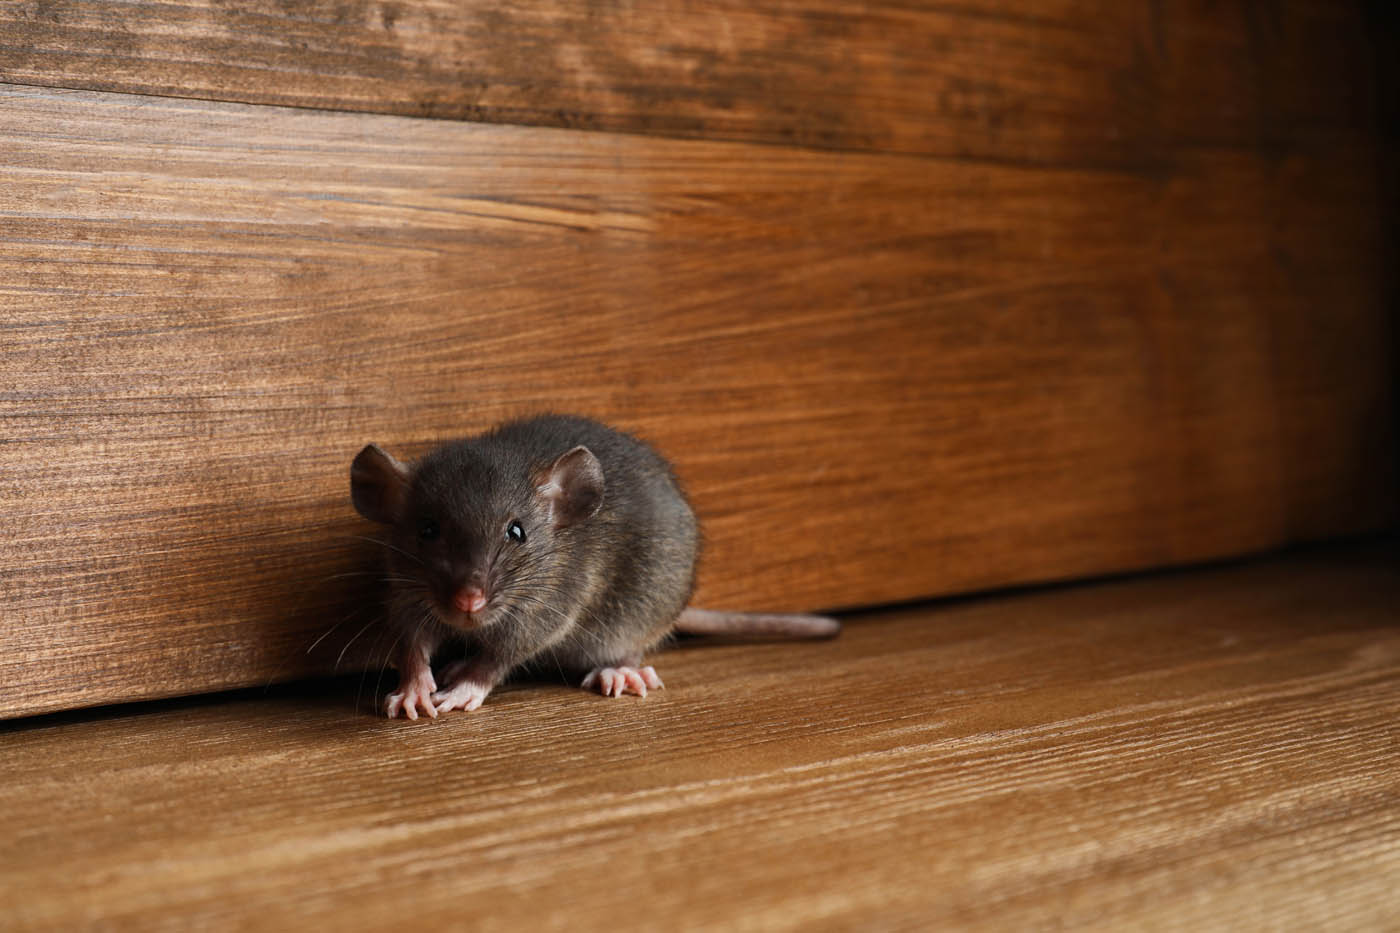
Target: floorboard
[[1207, 749]]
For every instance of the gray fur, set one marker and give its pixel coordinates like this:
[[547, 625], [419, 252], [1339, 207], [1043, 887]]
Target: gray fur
[[599, 591]]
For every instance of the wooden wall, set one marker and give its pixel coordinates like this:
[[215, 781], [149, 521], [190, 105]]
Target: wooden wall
[[921, 299]]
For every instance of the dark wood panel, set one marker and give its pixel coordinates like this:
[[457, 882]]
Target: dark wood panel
[[882, 377], [1211, 750], [1118, 82]]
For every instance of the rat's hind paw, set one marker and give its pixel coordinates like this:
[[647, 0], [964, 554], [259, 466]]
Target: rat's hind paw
[[615, 681], [411, 698]]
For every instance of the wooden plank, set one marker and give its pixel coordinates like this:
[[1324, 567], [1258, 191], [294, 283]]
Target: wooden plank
[[882, 378], [1212, 750], [1098, 82]]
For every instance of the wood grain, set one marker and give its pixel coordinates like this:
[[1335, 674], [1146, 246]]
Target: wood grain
[[1212, 750], [881, 377], [1120, 82]]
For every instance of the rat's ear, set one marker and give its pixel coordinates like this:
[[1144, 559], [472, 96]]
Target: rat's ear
[[378, 485], [571, 487]]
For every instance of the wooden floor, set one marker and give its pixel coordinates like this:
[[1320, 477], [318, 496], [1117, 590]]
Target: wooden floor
[[1210, 749]]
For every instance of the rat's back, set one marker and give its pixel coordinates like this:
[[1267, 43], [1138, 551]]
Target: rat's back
[[644, 539]]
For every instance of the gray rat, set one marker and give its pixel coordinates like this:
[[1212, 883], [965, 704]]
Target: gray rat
[[552, 543]]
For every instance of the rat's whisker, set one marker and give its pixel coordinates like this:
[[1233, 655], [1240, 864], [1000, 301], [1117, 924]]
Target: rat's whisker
[[341, 657], [392, 547]]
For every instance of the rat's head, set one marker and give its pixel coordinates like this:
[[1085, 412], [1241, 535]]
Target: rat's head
[[472, 529]]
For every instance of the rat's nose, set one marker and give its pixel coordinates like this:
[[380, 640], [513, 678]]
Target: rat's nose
[[469, 599]]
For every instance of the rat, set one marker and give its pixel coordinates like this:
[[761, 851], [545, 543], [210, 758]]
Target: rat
[[550, 543]]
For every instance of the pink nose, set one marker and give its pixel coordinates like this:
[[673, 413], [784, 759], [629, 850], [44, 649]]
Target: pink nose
[[469, 599]]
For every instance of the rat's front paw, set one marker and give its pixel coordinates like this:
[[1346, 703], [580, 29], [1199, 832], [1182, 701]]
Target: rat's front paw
[[615, 681], [411, 697], [464, 695]]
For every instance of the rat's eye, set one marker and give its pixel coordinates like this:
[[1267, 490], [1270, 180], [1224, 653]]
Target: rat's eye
[[427, 530], [516, 532]]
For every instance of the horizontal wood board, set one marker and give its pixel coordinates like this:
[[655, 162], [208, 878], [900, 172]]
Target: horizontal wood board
[[1202, 751], [882, 377], [1104, 82]]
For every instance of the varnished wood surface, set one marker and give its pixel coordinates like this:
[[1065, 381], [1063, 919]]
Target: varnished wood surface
[[189, 388], [881, 377], [1206, 750], [1120, 82]]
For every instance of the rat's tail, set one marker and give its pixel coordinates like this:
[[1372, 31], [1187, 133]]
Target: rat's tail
[[756, 624]]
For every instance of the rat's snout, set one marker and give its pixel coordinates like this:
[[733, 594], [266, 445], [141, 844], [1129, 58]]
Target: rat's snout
[[469, 598], [463, 598]]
